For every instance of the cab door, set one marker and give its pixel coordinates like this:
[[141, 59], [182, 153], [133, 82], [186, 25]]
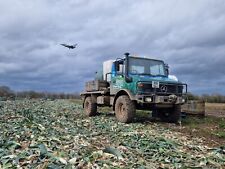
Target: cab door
[[117, 78]]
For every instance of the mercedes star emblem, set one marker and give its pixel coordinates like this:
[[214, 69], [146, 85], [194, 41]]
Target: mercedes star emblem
[[163, 89]]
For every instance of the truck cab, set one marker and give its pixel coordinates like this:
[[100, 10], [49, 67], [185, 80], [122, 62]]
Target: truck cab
[[137, 83]]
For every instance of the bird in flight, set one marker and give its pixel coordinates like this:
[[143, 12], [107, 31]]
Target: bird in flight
[[69, 46]]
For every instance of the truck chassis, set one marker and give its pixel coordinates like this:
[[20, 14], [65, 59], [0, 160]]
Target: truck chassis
[[167, 106]]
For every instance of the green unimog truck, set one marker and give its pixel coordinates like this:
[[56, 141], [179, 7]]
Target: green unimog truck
[[131, 83]]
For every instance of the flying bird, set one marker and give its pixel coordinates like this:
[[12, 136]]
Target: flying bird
[[69, 46]]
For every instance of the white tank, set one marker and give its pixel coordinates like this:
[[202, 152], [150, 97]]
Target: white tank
[[173, 77], [107, 68]]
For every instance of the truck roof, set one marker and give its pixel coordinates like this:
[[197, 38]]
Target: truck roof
[[138, 57]]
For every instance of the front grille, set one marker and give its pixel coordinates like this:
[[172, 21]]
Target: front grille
[[163, 88]]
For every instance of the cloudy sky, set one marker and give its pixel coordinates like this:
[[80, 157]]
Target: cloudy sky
[[189, 35]]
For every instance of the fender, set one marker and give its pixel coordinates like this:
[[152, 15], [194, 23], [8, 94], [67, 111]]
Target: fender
[[123, 92]]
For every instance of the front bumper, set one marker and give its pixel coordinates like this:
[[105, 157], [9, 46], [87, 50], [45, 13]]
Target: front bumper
[[157, 99]]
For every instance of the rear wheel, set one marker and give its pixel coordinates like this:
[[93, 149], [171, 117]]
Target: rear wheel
[[125, 109], [171, 115], [90, 108]]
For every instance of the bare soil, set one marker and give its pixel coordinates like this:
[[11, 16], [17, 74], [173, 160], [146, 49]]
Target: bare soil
[[215, 109]]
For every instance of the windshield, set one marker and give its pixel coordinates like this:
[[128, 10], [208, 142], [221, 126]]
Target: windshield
[[146, 67]]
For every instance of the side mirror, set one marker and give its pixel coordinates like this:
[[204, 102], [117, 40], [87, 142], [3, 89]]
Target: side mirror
[[167, 69]]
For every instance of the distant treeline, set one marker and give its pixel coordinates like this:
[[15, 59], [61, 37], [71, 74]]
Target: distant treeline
[[212, 98], [7, 94]]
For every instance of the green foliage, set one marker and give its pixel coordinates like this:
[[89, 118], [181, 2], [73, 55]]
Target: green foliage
[[55, 134], [210, 126], [221, 123], [220, 134]]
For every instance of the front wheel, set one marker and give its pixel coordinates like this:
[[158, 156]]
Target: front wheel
[[171, 115], [125, 109], [90, 108]]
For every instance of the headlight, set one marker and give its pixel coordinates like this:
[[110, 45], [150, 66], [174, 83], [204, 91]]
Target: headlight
[[148, 99]]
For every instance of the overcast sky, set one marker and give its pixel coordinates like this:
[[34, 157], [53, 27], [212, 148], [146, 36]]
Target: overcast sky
[[189, 35]]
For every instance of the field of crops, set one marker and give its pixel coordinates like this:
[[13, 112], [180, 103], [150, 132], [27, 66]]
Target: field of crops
[[56, 134]]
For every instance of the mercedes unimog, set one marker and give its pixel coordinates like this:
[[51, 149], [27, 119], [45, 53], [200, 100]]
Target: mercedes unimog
[[135, 83]]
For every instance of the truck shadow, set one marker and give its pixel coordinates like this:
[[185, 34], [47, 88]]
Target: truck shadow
[[138, 118], [107, 114], [145, 120]]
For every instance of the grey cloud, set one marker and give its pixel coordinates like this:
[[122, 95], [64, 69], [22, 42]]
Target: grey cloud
[[189, 35]]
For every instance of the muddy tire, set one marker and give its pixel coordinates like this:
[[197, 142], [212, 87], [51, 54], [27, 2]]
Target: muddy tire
[[125, 109], [90, 108], [171, 115]]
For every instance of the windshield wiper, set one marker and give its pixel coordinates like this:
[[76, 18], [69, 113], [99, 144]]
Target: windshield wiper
[[159, 75], [152, 74], [145, 74], [149, 74]]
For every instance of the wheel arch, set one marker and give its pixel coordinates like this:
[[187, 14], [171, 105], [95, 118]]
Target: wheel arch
[[123, 92]]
